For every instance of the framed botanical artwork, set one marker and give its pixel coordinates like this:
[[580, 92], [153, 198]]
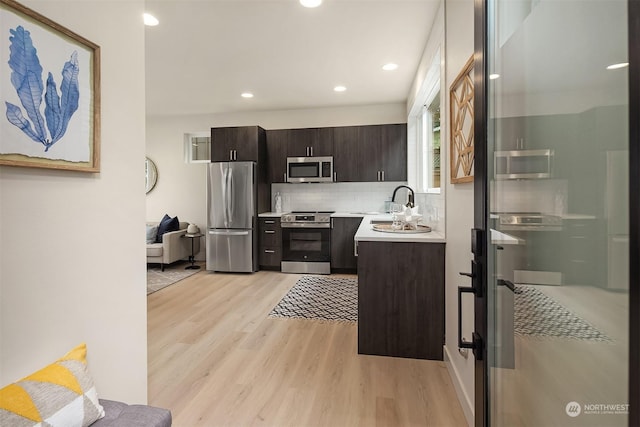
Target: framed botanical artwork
[[49, 93], [461, 125]]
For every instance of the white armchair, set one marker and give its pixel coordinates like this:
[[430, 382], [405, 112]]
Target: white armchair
[[173, 248]]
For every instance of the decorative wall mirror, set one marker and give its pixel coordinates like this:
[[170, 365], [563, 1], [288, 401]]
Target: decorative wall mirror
[[151, 174]]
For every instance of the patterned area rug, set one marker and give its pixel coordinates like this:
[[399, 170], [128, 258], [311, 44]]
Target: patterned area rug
[[320, 298], [537, 315], [157, 279]]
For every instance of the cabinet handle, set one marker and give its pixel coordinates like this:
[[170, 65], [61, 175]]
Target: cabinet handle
[[270, 221], [335, 177], [383, 175], [269, 232], [230, 154], [285, 177], [355, 248], [269, 251], [311, 151], [235, 154]]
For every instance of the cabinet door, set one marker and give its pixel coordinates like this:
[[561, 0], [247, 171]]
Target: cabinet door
[[371, 145], [323, 143], [234, 143], [222, 144], [355, 158], [277, 141], [363, 153], [300, 141], [343, 231], [315, 142], [393, 152]]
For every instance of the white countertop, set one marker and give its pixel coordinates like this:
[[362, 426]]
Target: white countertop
[[366, 233], [500, 238], [270, 215]]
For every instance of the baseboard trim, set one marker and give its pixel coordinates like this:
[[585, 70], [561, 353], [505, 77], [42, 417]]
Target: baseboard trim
[[463, 397]]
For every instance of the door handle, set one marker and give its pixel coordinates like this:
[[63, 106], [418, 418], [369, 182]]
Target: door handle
[[508, 284], [476, 341]]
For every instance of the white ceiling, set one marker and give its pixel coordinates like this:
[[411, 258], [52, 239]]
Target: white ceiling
[[205, 53]]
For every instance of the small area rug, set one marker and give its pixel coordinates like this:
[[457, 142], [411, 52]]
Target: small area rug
[[320, 298], [157, 279], [538, 315]]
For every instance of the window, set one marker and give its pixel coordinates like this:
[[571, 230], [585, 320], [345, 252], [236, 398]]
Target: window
[[424, 127], [429, 144], [197, 147]]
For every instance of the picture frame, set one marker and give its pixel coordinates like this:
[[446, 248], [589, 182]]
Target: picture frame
[[49, 93], [461, 119]]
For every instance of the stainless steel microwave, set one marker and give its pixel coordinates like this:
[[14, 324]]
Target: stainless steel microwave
[[310, 169], [524, 164]]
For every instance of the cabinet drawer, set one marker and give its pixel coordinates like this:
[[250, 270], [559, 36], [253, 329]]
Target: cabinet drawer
[[270, 256], [270, 232], [270, 237]]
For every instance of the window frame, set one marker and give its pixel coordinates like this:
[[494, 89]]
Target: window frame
[[188, 141]]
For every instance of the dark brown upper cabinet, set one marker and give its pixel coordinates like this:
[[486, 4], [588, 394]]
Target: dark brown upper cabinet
[[315, 142], [370, 153], [242, 143], [277, 142]]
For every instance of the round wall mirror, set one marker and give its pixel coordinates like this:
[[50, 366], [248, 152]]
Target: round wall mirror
[[151, 174]]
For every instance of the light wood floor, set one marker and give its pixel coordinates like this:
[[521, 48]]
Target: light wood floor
[[217, 359]]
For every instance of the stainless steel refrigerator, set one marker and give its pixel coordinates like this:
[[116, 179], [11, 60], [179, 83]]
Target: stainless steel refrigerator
[[232, 215]]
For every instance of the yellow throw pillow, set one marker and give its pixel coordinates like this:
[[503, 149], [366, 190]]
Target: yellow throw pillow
[[60, 395]]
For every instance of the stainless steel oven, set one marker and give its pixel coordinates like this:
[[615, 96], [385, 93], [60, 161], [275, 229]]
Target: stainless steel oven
[[306, 242]]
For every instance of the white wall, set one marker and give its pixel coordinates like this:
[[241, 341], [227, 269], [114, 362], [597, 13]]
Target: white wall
[[181, 187], [459, 212], [72, 244]]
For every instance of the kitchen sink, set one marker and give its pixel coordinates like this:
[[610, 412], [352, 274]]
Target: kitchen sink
[[381, 221], [386, 228]]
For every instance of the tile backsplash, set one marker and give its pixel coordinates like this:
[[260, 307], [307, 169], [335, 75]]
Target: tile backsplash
[[338, 196], [355, 197]]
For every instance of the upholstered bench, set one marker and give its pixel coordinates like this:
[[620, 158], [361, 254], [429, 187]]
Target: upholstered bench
[[118, 414], [63, 394]]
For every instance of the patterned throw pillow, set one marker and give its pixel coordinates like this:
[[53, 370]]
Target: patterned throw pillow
[[60, 395]]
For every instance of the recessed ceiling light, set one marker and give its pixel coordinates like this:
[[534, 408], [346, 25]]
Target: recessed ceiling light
[[494, 76], [150, 20], [390, 66], [246, 95], [311, 3], [339, 88], [616, 66]]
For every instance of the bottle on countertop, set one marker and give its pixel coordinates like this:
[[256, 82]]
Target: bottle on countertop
[[278, 202]]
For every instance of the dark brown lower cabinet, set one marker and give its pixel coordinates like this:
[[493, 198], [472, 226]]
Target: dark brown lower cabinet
[[270, 243], [401, 299], [343, 230]]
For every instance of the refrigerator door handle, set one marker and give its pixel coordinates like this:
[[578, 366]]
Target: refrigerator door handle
[[225, 196], [229, 233], [231, 194]]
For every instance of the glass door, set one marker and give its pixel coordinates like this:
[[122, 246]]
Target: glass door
[[557, 247]]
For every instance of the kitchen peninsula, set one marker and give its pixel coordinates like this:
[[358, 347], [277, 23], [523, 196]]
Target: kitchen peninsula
[[400, 292]]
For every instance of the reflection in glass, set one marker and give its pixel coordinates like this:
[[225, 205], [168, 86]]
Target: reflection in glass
[[558, 290]]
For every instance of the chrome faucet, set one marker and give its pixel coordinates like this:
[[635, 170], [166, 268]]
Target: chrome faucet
[[411, 195]]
